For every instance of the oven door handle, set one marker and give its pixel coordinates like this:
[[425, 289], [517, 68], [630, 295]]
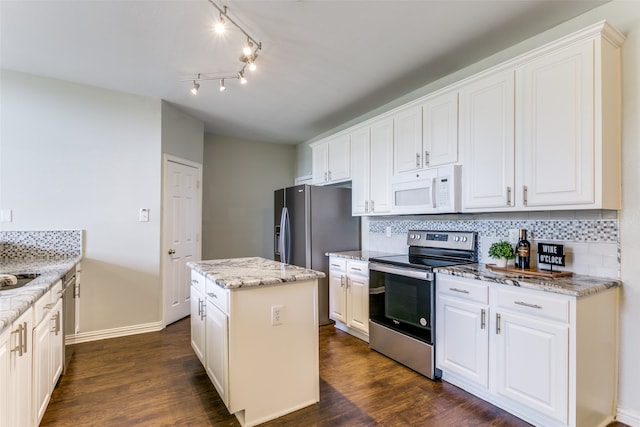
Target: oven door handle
[[407, 272]]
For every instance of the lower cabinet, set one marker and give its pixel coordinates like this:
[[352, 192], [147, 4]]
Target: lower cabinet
[[16, 356], [526, 351], [217, 362], [198, 313], [349, 295]]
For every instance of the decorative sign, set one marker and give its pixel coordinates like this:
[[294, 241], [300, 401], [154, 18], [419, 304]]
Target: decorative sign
[[549, 253]]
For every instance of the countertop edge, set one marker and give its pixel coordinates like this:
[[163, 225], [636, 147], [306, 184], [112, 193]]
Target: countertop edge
[[358, 255]]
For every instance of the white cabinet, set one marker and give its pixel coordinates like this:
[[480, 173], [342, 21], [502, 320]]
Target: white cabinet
[[198, 314], [5, 378], [349, 296], [331, 160], [487, 141], [407, 141], [20, 371], [372, 162], [217, 342], [527, 351], [47, 349], [440, 129]]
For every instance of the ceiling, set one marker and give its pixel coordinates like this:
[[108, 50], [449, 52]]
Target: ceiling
[[322, 64]]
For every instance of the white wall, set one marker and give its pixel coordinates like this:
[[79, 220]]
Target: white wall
[[77, 157], [625, 16], [239, 179], [182, 135]]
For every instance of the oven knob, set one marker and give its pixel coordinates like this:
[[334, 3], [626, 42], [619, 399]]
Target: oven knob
[[464, 239], [412, 236], [456, 238], [417, 237]]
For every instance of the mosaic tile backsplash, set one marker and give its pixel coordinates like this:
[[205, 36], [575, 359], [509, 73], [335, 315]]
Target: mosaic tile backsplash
[[40, 244], [591, 240]]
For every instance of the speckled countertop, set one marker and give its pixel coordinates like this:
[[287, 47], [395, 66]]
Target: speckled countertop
[[14, 302], [359, 255], [235, 273], [577, 285]]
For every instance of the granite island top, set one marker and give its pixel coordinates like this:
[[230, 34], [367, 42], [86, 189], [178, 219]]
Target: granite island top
[[233, 273], [577, 285], [14, 302], [359, 255]]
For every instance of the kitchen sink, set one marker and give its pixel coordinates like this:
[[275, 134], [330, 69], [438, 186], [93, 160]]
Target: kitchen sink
[[23, 279]]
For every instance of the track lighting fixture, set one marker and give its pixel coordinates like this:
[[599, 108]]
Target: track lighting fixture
[[247, 60]]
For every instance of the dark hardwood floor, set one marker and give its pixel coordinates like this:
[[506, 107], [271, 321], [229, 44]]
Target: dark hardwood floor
[[155, 379]]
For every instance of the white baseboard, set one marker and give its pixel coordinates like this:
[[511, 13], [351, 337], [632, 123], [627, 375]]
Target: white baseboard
[[628, 417], [113, 333]]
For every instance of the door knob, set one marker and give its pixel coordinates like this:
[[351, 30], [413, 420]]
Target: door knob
[[171, 251]]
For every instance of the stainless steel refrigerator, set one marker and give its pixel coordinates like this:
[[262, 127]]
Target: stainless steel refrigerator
[[309, 222]]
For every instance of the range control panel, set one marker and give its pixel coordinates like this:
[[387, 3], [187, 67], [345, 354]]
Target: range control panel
[[464, 240]]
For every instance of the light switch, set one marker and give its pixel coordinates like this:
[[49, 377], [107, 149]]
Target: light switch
[[144, 215], [6, 215]]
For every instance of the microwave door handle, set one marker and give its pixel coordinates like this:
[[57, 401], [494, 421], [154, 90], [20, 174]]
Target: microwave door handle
[[434, 204]]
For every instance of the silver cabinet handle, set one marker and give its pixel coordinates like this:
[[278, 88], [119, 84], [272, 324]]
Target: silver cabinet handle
[[194, 281], [348, 283], [497, 323], [24, 331], [526, 304], [372, 207], [325, 177], [524, 195], [366, 206], [341, 281], [508, 196], [418, 159], [329, 175], [483, 318], [426, 158], [20, 346], [212, 295], [462, 291]]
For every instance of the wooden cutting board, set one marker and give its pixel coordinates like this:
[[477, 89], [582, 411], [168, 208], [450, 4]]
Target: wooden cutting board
[[530, 272]]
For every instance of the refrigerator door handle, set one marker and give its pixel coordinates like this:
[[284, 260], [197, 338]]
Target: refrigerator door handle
[[276, 241], [285, 237]]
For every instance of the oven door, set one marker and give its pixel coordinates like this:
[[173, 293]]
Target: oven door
[[402, 299]]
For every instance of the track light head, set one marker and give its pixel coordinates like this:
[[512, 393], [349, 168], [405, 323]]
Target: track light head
[[247, 50], [222, 87], [220, 26], [243, 80], [195, 87]]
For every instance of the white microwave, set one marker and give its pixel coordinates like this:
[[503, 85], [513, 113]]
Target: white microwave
[[428, 191]]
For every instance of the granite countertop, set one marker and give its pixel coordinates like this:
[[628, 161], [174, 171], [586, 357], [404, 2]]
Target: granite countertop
[[236, 273], [14, 302], [359, 255], [577, 285]]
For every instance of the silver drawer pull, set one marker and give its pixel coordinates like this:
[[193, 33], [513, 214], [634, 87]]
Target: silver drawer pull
[[483, 318], [357, 269], [212, 295], [194, 281], [526, 304], [335, 265], [462, 291]]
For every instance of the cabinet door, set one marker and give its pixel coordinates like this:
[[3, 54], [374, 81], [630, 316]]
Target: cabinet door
[[20, 367], [338, 296], [360, 171], [197, 323], [532, 363], [339, 159], [358, 305], [487, 142], [463, 339], [320, 163], [381, 156], [556, 127], [217, 344], [440, 130], [5, 351], [41, 368], [407, 141], [57, 343]]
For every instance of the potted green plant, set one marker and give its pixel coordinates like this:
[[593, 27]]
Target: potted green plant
[[501, 251]]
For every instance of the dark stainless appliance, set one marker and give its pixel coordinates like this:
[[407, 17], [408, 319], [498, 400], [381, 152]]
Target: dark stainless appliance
[[402, 296], [309, 222], [69, 313]]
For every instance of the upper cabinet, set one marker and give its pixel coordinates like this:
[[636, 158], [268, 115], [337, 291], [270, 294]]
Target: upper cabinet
[[331, 160], [407, 141], [487, 141], [440, 129]]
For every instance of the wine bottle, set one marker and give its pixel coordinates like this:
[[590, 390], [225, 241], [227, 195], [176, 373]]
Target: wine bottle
[[523, 249]]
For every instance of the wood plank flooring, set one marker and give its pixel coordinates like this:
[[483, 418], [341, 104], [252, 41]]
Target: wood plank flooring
[[155, 379]]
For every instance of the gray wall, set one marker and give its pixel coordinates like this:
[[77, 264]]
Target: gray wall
[[625, 16], [182, 135], [238, 182]]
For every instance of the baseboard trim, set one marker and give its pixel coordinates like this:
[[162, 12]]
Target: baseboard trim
[[629, 417], [113, 333]]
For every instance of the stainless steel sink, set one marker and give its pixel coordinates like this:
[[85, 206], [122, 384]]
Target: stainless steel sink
[[23, 279]]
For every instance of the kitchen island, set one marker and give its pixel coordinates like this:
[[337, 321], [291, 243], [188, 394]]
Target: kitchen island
[[254, 327]]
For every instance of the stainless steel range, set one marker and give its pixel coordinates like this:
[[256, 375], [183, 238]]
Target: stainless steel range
[[402, 296]]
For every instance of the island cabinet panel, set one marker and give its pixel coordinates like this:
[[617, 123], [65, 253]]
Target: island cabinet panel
[[546, 357], [260, 346]]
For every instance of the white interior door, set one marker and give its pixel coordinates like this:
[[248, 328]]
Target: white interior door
[[182, 203]]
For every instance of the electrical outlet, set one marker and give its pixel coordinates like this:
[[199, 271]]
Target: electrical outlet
[[277, 315], [513, 235], [387, 231]]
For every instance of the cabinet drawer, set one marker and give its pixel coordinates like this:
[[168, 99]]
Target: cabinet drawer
[[358, 268], [537, 304], [337, 264], [218, 295], [198, 281], [471, 290], [56, 292], [42, 307]]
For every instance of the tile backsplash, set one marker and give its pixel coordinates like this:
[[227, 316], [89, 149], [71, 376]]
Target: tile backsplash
[[40, 244], [590, 238]]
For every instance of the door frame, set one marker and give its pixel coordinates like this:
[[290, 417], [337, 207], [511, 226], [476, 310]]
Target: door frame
[[164, 246]]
